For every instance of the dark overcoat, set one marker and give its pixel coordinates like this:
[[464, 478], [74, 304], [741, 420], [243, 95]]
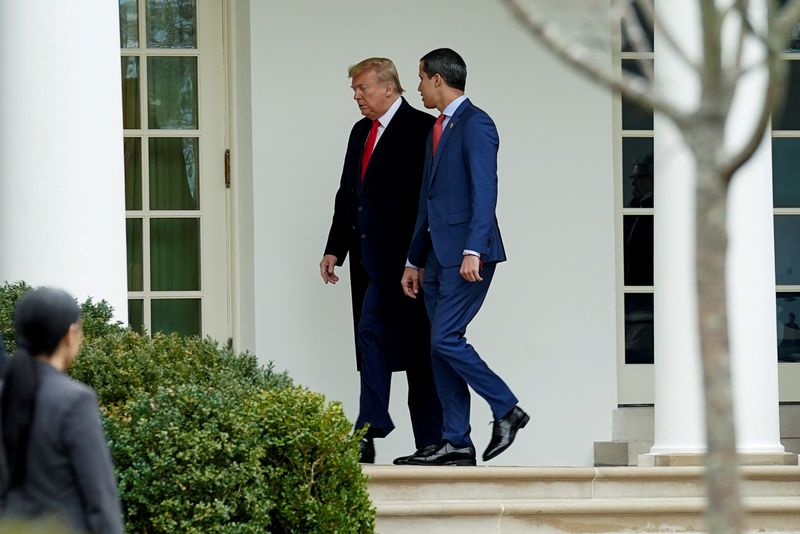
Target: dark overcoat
[[373, 223]]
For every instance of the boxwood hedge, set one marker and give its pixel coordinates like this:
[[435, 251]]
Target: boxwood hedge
[[207, 440]]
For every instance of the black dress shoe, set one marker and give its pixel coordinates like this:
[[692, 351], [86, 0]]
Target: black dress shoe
[[504, 431], [367, 451], [403, 460], [444, 454]]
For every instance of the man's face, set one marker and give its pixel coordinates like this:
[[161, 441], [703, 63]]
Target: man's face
[[426, 88], [373, 98], [642, 185]]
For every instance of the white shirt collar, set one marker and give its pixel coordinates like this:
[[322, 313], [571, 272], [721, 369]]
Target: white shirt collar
[[453, 106], [387, 117]]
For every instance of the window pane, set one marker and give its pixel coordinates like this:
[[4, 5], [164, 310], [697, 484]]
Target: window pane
[[637, 172], [786, 172], [787, 249], [638, 250], [647, 29], [634, 117], [172, 93], [175, 254], [788, 310], [133, 173], [639, 328], [130, 93], [181, 316], [129, 23], [174, 183], [136, 314], [133, 229], [788, 118], [171, 23]]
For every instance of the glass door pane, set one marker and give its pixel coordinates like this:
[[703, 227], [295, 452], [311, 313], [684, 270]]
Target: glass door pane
[[174, 187]]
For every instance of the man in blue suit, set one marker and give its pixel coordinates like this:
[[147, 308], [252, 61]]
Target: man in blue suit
[[457, 241]]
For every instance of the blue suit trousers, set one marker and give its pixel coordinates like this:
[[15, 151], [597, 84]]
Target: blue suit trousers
[[452, 303]]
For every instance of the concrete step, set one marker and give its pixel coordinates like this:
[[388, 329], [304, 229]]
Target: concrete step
[[685, 515], [571, 499]]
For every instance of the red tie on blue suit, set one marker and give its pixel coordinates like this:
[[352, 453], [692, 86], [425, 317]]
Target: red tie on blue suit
[[437, 131]]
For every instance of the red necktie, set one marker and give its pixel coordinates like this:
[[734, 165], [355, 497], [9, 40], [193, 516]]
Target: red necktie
[[437, 131], [373, 134]]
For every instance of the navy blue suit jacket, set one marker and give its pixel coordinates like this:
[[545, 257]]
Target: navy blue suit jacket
[[459, 193]]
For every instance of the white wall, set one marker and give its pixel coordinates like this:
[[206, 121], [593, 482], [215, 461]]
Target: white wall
[[548, 326]]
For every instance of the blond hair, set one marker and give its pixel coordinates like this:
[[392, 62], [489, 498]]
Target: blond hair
[[384, 69]]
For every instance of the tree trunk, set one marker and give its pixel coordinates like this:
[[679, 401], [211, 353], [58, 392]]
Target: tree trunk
[[722, 475]]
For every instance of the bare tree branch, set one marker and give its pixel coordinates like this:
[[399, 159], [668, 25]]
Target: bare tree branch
[[776, 87], [741, 7], [711, 29], [633, 27], [577, 56], [785, 21], [648, 10]]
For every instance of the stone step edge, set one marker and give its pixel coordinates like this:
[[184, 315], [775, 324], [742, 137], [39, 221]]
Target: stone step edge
[[391, 473], [629, 506]]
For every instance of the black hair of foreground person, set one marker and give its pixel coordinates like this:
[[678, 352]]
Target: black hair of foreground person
[[54, 459]]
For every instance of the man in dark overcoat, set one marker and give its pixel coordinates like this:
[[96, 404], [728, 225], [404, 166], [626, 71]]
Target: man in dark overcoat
[[374, 214]]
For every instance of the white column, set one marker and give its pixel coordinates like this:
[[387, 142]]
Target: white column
[[679, 415], [62, 210], [751, 268], [678, 383]]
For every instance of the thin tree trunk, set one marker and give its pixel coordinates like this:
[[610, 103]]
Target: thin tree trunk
[[725, 515]]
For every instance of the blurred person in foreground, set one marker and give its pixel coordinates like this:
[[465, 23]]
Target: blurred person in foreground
[[54, 458]]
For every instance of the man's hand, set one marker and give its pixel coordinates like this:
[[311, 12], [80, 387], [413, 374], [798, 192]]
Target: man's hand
[[411, 281], [326, 267], [471, 268]]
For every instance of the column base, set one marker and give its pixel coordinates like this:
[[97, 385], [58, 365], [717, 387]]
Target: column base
[[698, 459]]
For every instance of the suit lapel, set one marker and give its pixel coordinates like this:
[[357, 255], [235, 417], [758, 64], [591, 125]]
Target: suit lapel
[[385, 140], [452, 124], [361, 140]]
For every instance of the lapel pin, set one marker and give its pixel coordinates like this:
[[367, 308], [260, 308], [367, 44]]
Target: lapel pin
[[452, 124]]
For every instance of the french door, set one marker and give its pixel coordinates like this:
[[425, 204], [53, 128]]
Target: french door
[[173, 90]]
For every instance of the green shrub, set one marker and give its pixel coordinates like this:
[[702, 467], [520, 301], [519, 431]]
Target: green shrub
[[10, 293], [96, 317], [208, 440], [120, 366], [234, 460]]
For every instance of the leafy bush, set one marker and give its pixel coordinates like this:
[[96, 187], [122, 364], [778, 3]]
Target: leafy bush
[[234, 460], [96, 317], [207, 440], [10, 293], [120, 366]]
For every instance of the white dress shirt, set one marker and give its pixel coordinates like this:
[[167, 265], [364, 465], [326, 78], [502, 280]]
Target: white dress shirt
[[386, 118]]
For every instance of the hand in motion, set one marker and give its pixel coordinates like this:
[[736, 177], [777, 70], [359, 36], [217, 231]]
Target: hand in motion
[[412, 279], [326, 267], [471, 268]]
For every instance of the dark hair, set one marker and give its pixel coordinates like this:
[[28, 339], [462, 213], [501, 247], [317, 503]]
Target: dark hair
[[447, 64], [42, 318]]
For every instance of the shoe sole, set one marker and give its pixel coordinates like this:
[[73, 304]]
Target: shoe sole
[[498, 452], [463, 463]]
